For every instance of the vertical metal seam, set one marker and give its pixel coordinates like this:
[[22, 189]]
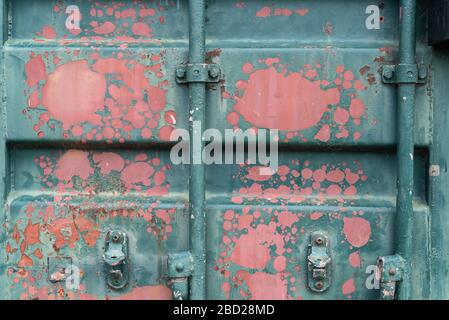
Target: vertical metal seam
[[197, 101], [405, 149]]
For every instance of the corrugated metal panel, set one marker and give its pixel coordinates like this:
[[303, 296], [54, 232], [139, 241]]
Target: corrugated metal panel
[[91, 97]]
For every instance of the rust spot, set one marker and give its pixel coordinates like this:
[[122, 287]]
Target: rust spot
[[371, 78], [379, 59], [213, 53], [328, 28], [386, 50], [363, 70]]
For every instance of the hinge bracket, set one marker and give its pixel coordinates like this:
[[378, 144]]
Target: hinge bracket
[[116, 259], [198, 72], [319, 262], [180, 268], [390, 270], [404, 73]]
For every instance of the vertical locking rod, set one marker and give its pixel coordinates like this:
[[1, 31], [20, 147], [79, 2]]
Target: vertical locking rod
[[197, 96], [405, 150]]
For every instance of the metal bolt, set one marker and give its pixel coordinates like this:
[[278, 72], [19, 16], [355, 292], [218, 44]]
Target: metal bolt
[[179, 267], [392, 271], [196, 72], [388, 74], [180, 73], [319, 241], [422, 72], [116, 237], [319, 285], [410, 74], [213, 72]]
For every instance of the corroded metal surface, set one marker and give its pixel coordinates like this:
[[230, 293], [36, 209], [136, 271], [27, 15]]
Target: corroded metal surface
[[91, 98]]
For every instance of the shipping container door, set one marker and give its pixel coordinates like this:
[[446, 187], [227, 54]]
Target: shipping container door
[[94, 205], [90, 103], [311, 69]]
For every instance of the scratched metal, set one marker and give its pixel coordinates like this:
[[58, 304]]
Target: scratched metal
[[87, 115]]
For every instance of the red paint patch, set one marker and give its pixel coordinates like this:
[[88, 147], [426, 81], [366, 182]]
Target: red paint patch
[[141, 29], [233, 118], [354, 259], [31, 233], [105, 28], [112, 99], [136, 173], [76, 87], [248, 68], [348, 287], [252, 249], [341, 116], [357, 231], [73, 163], [357, 108], [35, 70], [324, 134], [264, 286], [108, 162], [48, 32], [264, 12], [302, 12], [316, 216], [254, 173], [296, 104]]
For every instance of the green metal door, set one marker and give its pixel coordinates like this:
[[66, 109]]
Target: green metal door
[[94, 207]]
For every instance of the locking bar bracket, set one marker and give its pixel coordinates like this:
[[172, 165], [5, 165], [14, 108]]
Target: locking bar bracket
[[319, 262], [116, 259], [404, 73], [180, 268], [198, 72], [390, 270]]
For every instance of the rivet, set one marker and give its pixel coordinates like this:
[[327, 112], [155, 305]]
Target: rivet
[[319, 285], [392, 271]]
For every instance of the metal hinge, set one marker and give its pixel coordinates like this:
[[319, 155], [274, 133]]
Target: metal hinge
[[404, 73], [390, 271], [180, 268], [319, 262], [116, 259], [198, 72]]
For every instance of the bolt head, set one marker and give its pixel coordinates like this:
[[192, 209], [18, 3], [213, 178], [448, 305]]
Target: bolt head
[[319, 241], [388, 74], [319, 285], [179, 267], [392, 271], [422, 72], [213, 72], [180, 73], [116, 237]]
